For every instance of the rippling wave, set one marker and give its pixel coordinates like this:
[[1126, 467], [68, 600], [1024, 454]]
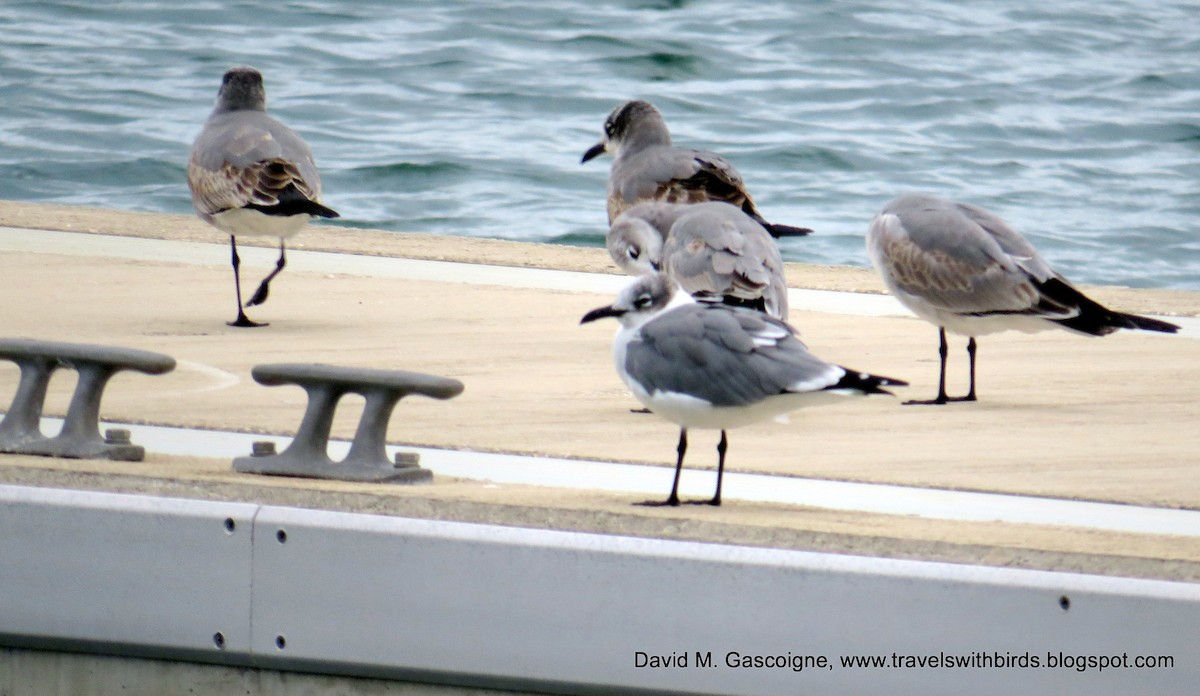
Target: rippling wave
[[1079, 122]]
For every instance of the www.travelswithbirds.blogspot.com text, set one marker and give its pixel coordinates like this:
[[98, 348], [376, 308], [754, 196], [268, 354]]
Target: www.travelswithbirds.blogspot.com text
[[795, 662]]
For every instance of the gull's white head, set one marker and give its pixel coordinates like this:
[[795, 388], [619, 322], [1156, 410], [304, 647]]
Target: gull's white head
[[635, 122], [645, 298], [635, 245]]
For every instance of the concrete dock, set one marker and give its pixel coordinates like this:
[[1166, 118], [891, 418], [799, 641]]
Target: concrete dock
[[1110, 420]]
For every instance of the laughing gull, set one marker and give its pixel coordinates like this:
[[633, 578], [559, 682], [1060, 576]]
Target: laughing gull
[[252, 175], [965, 270], [707, 365], [647, 167], [710, 249]]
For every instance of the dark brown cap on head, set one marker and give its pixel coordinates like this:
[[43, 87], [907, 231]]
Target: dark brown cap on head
[[631, 114], [242, 90]]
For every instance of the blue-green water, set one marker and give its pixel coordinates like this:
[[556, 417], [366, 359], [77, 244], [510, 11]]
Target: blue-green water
[[1077, 121]]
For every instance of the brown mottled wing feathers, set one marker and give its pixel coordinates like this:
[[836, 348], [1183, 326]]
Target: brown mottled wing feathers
[[717, 249], [954, 263], [244, 158], [675, 175]]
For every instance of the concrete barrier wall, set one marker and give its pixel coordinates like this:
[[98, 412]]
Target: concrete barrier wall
[[47, 673], [498, 607]]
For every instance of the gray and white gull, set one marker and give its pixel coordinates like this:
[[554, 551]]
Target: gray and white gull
[[712, 366], [251, 175], [965, 270], [646, 166], [712, 250]]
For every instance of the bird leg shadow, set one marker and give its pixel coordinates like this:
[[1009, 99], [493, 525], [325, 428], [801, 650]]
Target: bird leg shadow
[[244, 321], [673, 501]]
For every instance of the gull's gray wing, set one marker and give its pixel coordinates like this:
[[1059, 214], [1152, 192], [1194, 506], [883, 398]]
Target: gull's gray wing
[[726, 356], [248, 157], [959, 258], [964, 260], [676, 175], [717, 249]]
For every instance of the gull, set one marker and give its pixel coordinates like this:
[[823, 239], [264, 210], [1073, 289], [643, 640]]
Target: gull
[[712, 366], [712, 250], [647, 167], [251, 175], [964, 270]]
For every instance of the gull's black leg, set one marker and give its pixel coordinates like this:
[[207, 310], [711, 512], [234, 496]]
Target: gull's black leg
[[260, 295], [971, 347], [722, 447], [242, 319], [943, 353], [673, 499]]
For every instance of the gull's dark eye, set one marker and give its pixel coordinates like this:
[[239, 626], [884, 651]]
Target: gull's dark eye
[[642, 301], [633, 253]]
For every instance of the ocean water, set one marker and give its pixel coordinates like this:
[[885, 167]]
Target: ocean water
[[1077, 121]]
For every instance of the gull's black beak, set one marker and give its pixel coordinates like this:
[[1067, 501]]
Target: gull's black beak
[[593, 152], [601, 313]]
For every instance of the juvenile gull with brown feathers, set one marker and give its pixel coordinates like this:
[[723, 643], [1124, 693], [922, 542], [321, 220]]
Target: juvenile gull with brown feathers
[[964, 270], [712, 250], [251, 175], [646, 166]]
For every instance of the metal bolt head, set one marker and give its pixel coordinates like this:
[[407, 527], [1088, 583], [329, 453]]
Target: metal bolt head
[[116, 436], [262, 448], [407, 460]]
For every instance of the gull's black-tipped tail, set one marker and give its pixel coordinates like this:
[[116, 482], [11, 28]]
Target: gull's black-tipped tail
[[316, 209], [758, 304], [1148, 324], [1094, 318], [297, 206], [292, 202], [865, 383], [773, 229], [778, 231]]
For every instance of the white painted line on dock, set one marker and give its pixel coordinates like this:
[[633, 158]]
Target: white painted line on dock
[[14, 239], [205, 254], [653, 482]]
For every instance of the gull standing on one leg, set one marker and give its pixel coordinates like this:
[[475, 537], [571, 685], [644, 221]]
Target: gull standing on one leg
[[712, 250], [251, 175], [704, 365], [647, 167], [964, 270]]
